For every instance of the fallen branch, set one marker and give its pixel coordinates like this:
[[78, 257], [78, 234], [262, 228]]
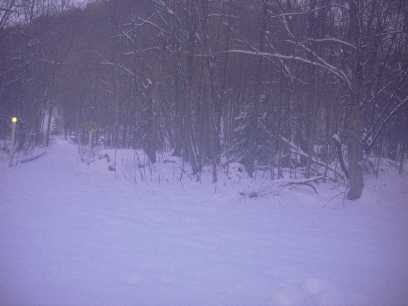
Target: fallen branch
[[28, 159], [307, 182], [283, 183]]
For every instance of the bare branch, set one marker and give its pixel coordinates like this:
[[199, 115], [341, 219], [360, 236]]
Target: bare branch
[[333, 40], [371, 141], [323, 64]]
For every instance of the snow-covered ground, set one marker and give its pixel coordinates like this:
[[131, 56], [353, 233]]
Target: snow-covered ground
[[77, 234]]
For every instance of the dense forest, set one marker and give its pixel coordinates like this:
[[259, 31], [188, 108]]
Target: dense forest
[[317, 85]]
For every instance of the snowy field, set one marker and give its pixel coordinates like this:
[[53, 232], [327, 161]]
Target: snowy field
[[73, 234]]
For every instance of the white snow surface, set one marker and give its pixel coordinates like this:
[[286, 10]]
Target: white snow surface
[[77, 234]]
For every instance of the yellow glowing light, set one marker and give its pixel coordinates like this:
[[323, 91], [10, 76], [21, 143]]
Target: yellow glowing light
[[14, 120]]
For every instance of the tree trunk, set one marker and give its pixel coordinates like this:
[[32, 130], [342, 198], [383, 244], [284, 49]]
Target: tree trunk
[[48, 131], [355, 148], [355, 156], [401, 158]]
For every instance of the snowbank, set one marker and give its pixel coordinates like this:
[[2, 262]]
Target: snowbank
[[75, 233]]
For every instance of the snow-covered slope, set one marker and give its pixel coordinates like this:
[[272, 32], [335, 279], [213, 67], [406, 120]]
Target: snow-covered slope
[[73, 234]]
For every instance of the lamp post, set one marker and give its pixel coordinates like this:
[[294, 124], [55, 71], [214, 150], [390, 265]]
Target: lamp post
[[14, 121]]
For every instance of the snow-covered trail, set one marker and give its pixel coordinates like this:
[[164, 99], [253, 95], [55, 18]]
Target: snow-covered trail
[[73, 236]]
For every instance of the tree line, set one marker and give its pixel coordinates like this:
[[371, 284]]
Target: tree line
[[316, 85]]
